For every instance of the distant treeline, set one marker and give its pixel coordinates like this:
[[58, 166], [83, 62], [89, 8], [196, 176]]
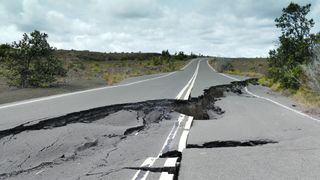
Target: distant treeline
[[115, 56]]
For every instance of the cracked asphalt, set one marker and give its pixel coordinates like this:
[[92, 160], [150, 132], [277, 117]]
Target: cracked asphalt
[[190, 124]]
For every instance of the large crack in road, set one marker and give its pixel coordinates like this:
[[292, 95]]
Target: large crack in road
[[220, 144], [55, 141]]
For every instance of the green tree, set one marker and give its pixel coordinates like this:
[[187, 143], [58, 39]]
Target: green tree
[[165, 54], [30, 62], [181, 56], [4, 48], [192, 55], [296, 44]]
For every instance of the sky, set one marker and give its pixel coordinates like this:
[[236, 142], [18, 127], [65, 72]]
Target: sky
[[229, 28]]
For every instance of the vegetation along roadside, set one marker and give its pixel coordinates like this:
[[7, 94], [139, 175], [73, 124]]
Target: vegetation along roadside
[[31, 68], [293, 68]]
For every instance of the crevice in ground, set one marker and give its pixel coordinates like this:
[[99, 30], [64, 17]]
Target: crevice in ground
[[169, 154], [152, 111], [196, 107], [221, 144], [170, 170], [15, 173]]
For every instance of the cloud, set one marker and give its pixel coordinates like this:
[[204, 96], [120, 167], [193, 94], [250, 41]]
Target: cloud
[[213, 27]]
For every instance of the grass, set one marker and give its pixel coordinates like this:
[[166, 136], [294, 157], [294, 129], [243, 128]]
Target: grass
[[249, 73], [111, 67], [306, 96], [114, 67], [257, 68], [303, 95]]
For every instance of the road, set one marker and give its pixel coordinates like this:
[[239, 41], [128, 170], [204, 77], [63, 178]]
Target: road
[[260, 135]]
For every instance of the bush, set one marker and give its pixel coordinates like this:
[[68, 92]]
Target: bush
[[30, 62]]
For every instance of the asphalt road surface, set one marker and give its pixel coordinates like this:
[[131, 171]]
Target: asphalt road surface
[[138, 134]]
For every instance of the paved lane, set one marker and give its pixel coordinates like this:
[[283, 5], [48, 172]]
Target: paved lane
[[288, 149], [105, 135], [166, 86], [207, 78], [290, 140]]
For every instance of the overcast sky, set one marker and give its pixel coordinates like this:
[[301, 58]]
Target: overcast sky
[[212, 27]]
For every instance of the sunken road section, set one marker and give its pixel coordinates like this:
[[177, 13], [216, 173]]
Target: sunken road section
[[32, 146], [196, 107]]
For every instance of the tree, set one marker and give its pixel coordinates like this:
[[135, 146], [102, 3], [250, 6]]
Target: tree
[[165, 54], [30, 62], [181, 56], [4, 48], [295, 48]]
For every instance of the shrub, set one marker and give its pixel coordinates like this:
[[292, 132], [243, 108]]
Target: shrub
[[30, 62]]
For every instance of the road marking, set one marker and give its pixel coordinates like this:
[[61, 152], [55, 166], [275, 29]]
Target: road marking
[[166, 176], [188, 123], [172, 133], [211, 66], [187, 64], [192, 83], [140, 175], [183, 140], [170, 162], [189, 84], [279, 104], [85, 91], [267, 99], [39, 172]]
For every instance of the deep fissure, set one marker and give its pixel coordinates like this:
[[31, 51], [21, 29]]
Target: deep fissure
[[152, 111], [196, 107], [221, 144], [170, 170]]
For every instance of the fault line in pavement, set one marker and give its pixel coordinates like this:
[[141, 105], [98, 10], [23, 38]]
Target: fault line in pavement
[[267, 99], [142, 175]]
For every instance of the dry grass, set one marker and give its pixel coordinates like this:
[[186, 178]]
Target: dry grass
[[253, 67], [303, 95], [307, 97], [85, 65], [249, 74], [257, 67]]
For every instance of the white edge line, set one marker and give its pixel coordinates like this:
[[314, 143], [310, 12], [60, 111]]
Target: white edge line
[[80, 92], [85, 91], [279, 104], [267, 99], [211, 66]]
